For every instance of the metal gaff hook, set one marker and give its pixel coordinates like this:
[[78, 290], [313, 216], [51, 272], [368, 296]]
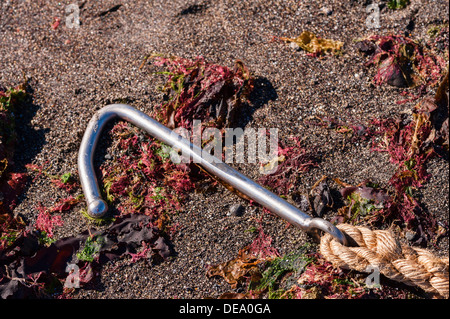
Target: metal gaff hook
[[97, 207]]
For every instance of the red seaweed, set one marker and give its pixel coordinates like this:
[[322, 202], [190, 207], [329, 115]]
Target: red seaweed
[[196, 89], [293, 161], [403, 62]]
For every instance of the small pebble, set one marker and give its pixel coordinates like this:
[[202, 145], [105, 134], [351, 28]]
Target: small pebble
[[294, 46], [327, 11], [236, 210]]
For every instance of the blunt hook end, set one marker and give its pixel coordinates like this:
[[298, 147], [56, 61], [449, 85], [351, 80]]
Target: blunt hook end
[[97, 208]]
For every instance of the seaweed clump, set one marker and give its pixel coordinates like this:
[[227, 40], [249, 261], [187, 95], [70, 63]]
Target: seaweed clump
[[196, 89], [402, 62], [12, 183], [314, 45]]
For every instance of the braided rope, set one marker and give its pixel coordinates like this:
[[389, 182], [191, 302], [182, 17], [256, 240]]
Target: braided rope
[[379, 248]]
